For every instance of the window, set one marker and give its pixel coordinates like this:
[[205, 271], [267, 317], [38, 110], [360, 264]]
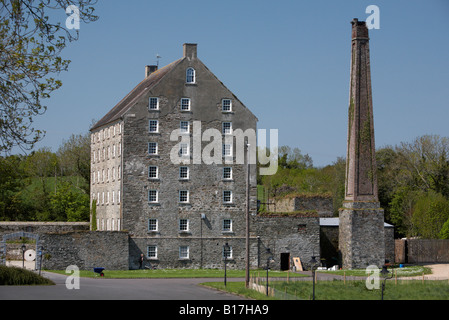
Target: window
[[153, 126], [227, 173], [183, 149], [183, 172], [183, 196], [227, 196], [183, 224], [185, 104], [152, 147], [227, 150], [152, 196], [227, 225], [184, 252], [226, 105], [152, 172], [152, 252], [152, 225], [226, 128], [190, 75], [184, 126], [227, 253], [153, 104]]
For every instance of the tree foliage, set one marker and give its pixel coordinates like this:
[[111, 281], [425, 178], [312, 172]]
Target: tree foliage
[[31, 43]]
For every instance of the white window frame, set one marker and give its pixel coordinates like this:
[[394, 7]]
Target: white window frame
[[156, 225], [190, 75], [185, 102], [184, 149], [183, 194], [151, 105], [184, 252], [156, 194], [227, 150], [184, 127], [229, 169], [229, 252], [153, 251], [187, 172], [183, 225], [225, 129], [227, 194], [226, 105], [153, 169], [227, 222], [155, 147], [151, 126]]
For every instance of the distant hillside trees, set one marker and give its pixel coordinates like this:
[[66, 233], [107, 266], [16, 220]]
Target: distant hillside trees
[[47, 186]]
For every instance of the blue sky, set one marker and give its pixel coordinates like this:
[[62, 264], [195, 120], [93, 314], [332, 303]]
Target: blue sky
[[287, 61]]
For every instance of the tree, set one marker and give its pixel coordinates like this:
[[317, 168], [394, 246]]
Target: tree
[[30, 56], [430, 213]]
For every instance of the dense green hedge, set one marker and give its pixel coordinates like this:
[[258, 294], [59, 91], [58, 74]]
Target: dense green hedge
[[13, 276]]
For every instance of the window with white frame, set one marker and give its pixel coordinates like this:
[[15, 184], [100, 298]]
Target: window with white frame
[[184, 149], [227, 150], [152, 148], [227, 196], [227, 225], [153, 126], [153, 103], [152, 225], [183, 196], [183, 224], [185, 104], [183, 173], [152, 252], [227, 252], [190, 75], [152, 172], [184, 127], [184, 252], [227, 173], [226, 105], [152, 196], [226, 128]]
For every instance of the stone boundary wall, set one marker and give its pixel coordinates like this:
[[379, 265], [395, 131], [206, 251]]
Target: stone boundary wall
[[322, 205], [86, 250], [7, 227]]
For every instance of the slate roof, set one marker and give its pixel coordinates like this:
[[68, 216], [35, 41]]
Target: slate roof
[[129, 100]]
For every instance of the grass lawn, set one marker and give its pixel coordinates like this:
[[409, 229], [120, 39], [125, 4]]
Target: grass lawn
[[338, 290], [178, 273]]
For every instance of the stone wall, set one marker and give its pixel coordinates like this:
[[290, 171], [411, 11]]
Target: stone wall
[[86, 250], [8, 227], [321, 204]]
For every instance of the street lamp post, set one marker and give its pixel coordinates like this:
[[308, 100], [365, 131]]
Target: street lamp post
[[385, 275], [225, 253], [23, 255], [313, 264]]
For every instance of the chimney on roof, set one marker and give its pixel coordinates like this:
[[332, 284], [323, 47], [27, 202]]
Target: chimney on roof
[[190, 50], [149, 70]]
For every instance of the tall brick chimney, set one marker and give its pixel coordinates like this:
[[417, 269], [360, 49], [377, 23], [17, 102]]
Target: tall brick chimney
[[361, 220]]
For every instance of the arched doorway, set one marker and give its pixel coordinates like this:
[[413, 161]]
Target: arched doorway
[[20, 234]]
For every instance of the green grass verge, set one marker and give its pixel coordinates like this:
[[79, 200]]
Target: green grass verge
[[339, 290], [179, 273], [408, 271], [14, 276]]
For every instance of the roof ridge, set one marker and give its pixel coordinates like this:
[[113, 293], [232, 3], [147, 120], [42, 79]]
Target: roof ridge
[[143, 86]]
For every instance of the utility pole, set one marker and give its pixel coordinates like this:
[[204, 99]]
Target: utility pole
[[247, 216]]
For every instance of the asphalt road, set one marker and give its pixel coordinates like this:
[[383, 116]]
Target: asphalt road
[[117, 289]]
